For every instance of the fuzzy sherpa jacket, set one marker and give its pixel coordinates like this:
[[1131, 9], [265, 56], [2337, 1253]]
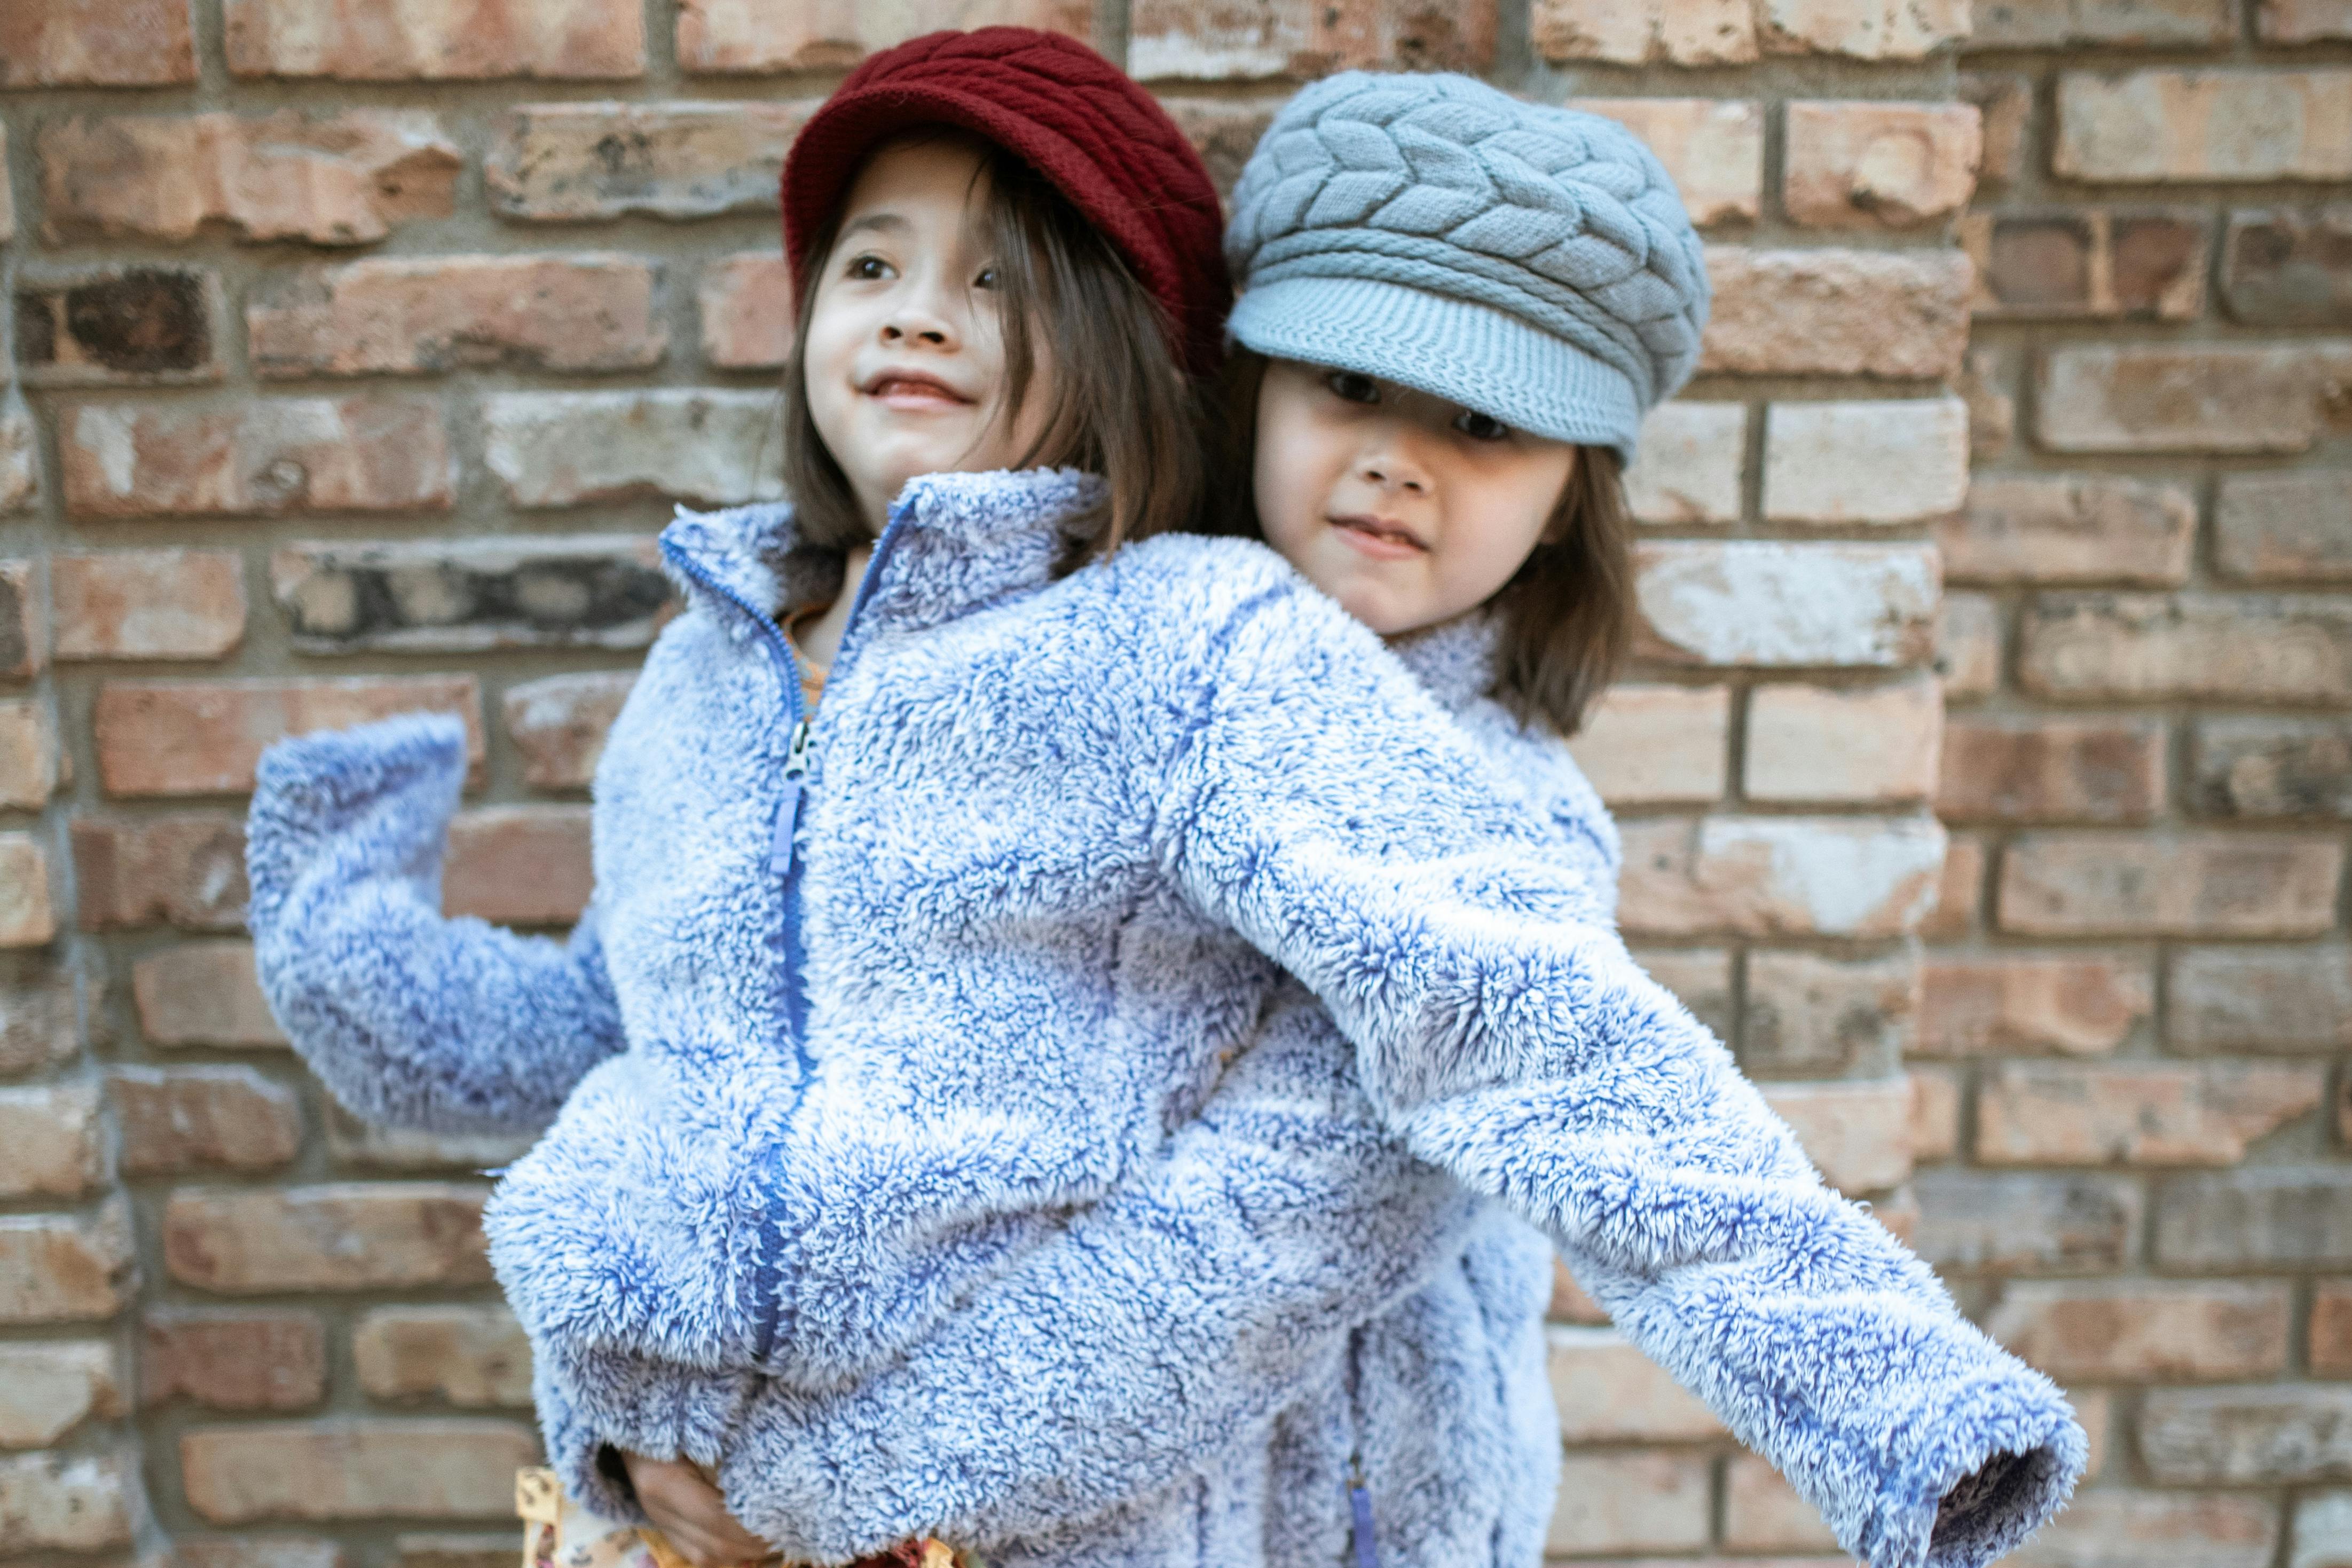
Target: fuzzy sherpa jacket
[[1092, 817]]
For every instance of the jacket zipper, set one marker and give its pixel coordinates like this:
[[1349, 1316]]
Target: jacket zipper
[[1360, 1495]]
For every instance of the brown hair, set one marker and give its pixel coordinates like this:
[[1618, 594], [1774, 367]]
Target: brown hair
[[1567, 615], [1122, 405]]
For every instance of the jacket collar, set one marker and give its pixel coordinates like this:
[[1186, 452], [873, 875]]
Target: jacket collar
[[1453, 659]]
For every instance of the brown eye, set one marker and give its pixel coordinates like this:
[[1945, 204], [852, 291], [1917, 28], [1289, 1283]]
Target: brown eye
[[989, 279], [1353, 386], [867, 268], [1480, 426]]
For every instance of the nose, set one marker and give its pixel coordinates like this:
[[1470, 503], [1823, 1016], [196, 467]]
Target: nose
[[918, 318], [1388, 464]]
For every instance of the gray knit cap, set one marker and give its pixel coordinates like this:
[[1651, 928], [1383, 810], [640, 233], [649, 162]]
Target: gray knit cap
[[1531, 262]]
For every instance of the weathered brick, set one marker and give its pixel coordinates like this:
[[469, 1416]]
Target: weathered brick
[[1736, 32], [1828, 1016], [1876, 461], [186, 869], [597, 590], [2259, 999], [180, 1119], [2044, 770], [354, 1469], [1258, 39], [2005, 101], [203, 738], [1609, 1392], [473, 1358], [2139, 1331], [2331, 1329], [745, 304], [147, 604], [1700, 979], [2079, 1004], [1570, 1304], [1690, 463], [1936, 1094], [96, 42], [118, 325], [2268, 768], [60, 1268], [1762, 1513], [2051, 24], [1779, 876], [2289, 267], [47, 1389], [559, 724], [2187, 397], [2144, 646], [1631, 1502], [2203, 1437], [1858, 1133], [275, 455], [401, 40], [2190, 885], [28, 917], [2110, 1528], [28, 754], [366, 1146], [38, 1025], [23, 623], [718, 36], [2263, 1218], [1224, 132], [1959, 890], [519, 865], [2069, 529], [1879, 164], [262, 1358], [260, 1552], [1836, 313], [336, 1236], [1967, 646], [1870, 744], [2006, 1224], [2161, 125], [203, 994], [416, 315], [1651, 743], [70, 1502], [348, 177], [1767, 603], [1712, 148], [451, 1551], [563, 163], [560, 449], [52, 1142], [2304, 22], [2322, 1520], [2285, 527], [1861, 29], [20, 469]]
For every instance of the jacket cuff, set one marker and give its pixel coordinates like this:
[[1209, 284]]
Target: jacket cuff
[[591, 1407], [1976, 1473]]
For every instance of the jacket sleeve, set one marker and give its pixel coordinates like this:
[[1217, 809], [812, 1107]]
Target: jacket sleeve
[[410, 1019], [1514, 1041], [1120, 1356]]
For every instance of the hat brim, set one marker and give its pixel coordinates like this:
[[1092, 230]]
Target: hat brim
[[1472, 354]]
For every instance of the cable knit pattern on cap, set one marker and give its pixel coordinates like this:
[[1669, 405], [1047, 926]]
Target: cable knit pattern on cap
[[1440, 232]]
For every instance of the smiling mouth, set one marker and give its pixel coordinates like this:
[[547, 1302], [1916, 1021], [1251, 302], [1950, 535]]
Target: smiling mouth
[[1377, 535], [912, 388]]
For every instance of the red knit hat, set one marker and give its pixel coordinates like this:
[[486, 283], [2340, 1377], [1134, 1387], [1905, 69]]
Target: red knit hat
[[1068, 113]]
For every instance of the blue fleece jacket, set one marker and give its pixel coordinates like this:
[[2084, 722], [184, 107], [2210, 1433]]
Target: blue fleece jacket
[[909, 1000]]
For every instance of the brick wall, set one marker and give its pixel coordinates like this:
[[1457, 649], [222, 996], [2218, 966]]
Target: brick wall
[[355, 352]]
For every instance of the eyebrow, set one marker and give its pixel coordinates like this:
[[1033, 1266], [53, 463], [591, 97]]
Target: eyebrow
[[873, 221]]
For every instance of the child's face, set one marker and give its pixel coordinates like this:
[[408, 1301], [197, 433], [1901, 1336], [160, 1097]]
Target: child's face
[[1404, 507], [905, 355]]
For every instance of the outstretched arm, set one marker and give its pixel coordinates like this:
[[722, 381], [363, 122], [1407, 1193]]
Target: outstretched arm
[[409, 1018]]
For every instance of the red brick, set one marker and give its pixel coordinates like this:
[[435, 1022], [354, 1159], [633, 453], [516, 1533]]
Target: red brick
[[2268, 768], [1631, 1502], [1901, 314], [2050, 24], [28, 754], [717, 35], [2285, 527], [462, 595], [472, 1357], [1691, 464], [338, 1237], [147, 604], [187, 869], [2188, 397], [1762, 1513], [1712, 148], [563, 163], [40, 1026], [1700, 979], [2063, 1115], [1257, 39], [2265, 1218], [441, 1550], [1224, 132], [1779, 876], [72, 1502], [1858, 1132], [118, 326], [262, 1551], [47, 1390], [1655, 744], [2020, 1224], [2145, 647], [1866, 462], [2071, 528], [1861, 29], [264, 1358], [96, 42], [1934, 1133], [559, 724], [2188, 884], [1774, 604], [2217, 125], [519, 865], [415, 316], [745, 303], [1959, 890], [23, 623], [1969, 647], [27, 916], [203, 994], [1609, 1392], [357, 1144], [2045, 769], [20, 466], [52, 1142], [564, 449], [2289, 267], [2075, 1004], [2265, 1434], [275, 455], [1879, 164], [1570, 1304], [349, 177], [1734, 32], [2110, 1528], [1813, 1016], [2305, 22], [399, 40], [1863, 744], [203, 738], [2005, 99], [2138, 1331], [2264, 998], [60, 1268], [2331, 1329], [181, 1119], [354, 1469]]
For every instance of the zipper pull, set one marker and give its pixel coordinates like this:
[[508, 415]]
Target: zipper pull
[[1360, 1504], [788, 810]]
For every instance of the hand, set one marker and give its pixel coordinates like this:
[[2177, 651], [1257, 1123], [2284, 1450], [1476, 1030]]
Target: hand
[[691, 1513]]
